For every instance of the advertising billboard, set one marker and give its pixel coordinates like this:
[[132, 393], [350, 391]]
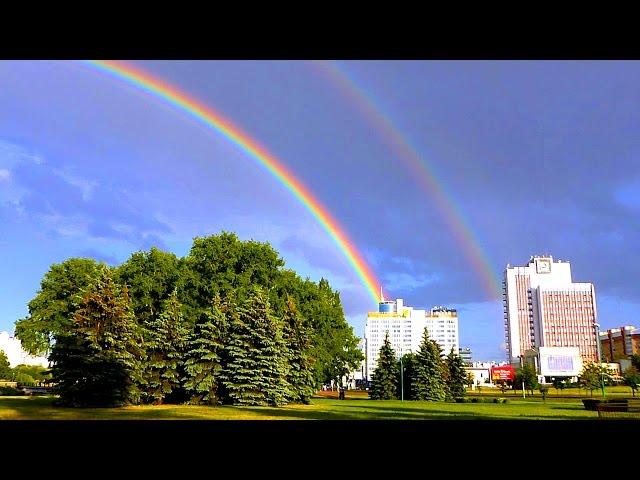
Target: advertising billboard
[[503, 372]]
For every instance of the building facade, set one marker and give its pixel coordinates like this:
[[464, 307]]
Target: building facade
[[466, 355], [620, 343], [543, 307], [406, 326]]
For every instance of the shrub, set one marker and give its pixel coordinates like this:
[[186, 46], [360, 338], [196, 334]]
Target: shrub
[[10, 392]]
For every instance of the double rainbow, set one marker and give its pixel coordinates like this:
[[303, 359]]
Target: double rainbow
[[421, 171], [214, 120]]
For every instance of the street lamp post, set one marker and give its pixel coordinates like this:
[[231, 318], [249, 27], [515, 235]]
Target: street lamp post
[[401, 381], [599, 353]]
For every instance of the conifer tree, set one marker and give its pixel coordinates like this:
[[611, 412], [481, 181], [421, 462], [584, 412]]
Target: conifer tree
[[255, 372], [97, 361], [385, 377], [428, 381], [165, 347], [297, 347], [205, 355], [456, 375]]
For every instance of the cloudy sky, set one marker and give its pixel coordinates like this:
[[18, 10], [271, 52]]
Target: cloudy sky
[[536, 157]]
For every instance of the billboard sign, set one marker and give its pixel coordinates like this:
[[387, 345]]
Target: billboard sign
[[503, 372]]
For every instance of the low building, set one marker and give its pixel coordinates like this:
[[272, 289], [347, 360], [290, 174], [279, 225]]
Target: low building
[[554, 362], [620, 343]]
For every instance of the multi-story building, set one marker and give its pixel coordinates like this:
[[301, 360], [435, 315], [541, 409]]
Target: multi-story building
[[406, 326], [620, 343], [465, 354], [544, 308]]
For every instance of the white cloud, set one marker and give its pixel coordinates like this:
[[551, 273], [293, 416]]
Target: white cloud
[[406, 282], [86, 186], [11, 154], [4, 174]]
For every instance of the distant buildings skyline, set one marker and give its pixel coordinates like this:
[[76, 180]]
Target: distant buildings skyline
[[405, 326]]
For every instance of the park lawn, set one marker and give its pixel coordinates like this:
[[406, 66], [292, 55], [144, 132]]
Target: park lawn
[[618, 391], [41, 408]]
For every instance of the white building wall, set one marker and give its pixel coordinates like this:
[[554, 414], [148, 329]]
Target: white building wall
[[544, 274], [406, 326]]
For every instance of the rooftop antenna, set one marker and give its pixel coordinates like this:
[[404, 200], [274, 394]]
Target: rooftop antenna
[[381, 295]]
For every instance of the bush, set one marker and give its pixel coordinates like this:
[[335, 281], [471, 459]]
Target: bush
[[10, 392], [499, 400]]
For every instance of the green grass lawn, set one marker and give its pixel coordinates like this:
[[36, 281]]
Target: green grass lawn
[[356, 407]]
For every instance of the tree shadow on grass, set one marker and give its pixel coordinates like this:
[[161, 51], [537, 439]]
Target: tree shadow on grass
[[418, 413]]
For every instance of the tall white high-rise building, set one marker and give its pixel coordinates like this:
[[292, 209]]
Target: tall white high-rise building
[[406, 326], [544, 308]]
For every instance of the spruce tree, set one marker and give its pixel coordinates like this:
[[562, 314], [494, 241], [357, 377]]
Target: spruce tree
[[255, 372], [428, 382], [97, 361], [165, 347], [205, 353], [456, 375], [297, 347], [385, 377]]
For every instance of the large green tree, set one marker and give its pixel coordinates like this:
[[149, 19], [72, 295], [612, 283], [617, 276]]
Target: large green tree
[[222, 263], [206, 352], [408, 373], [151, 277], [51, 310], [297, 346], [165, 344], [255, 371], [96, 360], [456, 375], [428, 381], [384, 381]]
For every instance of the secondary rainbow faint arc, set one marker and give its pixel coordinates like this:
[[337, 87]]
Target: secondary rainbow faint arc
[[211, 118], [423, 173]]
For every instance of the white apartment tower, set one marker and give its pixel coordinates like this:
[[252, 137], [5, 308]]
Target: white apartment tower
[[544, 308], [406, 326]]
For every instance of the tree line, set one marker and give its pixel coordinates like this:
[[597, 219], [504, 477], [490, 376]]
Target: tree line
[[227, 323], [426, 374]]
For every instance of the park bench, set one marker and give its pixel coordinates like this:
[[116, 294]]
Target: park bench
[[628, 408]]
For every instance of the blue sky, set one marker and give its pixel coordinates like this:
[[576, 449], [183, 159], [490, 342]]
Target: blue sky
[[541, 157]]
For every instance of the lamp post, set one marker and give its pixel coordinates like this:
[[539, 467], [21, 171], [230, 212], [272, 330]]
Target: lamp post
[[401, 381], [599, 353]]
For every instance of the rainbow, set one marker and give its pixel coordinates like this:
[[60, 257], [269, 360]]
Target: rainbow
[[214, 120], [421, 170]]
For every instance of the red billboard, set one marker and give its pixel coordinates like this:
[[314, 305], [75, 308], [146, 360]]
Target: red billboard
[[503, 372]]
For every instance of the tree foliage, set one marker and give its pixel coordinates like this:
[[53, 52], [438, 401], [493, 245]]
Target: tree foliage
[[255, 371], [205, 353], [165, 344], [456, 375], [96, 360], [384, 385], [631, 378], [428, 381], [51, 310], [526, 375], [190, 349], [594, 376], [5, 367]]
